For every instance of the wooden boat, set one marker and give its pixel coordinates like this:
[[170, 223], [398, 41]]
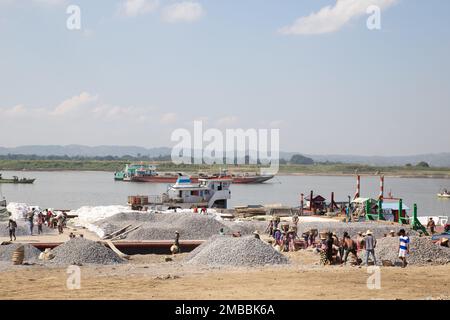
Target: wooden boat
[[16, 179]]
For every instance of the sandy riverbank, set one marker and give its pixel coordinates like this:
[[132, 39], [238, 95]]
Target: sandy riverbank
[[149, 277]]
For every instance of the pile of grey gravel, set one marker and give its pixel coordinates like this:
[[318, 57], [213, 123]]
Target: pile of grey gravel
[[379, 229], [235, 252], [79, 251], [422, 251], [7, 251], [162, 226]]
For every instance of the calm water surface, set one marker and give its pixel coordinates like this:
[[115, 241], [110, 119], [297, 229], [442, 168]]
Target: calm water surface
[[71, 190]]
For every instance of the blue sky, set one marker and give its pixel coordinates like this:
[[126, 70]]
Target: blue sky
[[133, 74]]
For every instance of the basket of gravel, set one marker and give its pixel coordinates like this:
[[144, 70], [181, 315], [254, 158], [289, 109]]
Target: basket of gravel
[[79, 251], [229, 251]]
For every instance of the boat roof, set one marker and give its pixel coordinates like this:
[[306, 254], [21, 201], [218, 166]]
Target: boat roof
[[393, 206]]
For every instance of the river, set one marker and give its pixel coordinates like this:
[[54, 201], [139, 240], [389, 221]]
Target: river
[[71, 190]]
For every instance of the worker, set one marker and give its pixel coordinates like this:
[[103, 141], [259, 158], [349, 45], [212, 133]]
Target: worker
[[295, 220], [256, 234], [277, 236], [349, 247], [12, 225], [175, 248], [392, 234], [359, 242], [40, 222], [291, 237], [431, 225], [270, 227], [329, 248], [60, 223], [369, 244], [30, 221], [312, 237], [403, 249], [444, 242]]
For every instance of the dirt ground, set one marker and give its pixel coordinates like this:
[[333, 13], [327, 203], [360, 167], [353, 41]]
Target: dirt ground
[[150, 277]]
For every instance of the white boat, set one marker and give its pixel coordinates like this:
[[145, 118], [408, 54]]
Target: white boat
[[207, 193], [445, 195]]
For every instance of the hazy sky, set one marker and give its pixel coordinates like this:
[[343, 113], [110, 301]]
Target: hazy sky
[[138, 69]]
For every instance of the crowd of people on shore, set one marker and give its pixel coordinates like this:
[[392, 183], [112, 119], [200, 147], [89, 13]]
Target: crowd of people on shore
[[35, 217]]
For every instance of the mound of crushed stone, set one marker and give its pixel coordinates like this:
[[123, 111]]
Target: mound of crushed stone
[[236, 252], [422, 251], [155, 226], [31, 253], [83, 251]]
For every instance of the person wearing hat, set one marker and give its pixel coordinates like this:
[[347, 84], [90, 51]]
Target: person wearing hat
[[291, 236], [369, 244], [12, 225], [392, 233], [277, 236]]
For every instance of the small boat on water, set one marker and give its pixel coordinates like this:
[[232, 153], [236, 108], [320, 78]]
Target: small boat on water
[[444, 194], [16, 179]]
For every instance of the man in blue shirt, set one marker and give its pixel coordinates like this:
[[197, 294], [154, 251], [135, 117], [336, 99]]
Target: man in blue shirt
[[403, 247]]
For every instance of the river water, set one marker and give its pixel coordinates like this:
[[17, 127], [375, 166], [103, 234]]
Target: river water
[[71, 190]]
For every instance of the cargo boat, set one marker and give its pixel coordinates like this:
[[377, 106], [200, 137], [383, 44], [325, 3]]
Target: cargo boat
[[148, 173]]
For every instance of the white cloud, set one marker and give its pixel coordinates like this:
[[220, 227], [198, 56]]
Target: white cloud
[[332, 18], [186, 11], [168, 118], [132, 8], [72, 104]]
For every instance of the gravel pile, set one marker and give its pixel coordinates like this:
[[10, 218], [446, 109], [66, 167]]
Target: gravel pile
[[422, 251], [6, 252], [378, 229], [236, 252], [83, 251], [163, 226]]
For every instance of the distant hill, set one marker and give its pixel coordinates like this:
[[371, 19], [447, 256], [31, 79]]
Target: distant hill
[[86, 151], [437, 160]]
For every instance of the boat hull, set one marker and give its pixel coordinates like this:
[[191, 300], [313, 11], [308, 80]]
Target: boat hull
[[173, 179], [443, 196], [27, 181]]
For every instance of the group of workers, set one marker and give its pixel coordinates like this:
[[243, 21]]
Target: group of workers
[[39, 218], [334, 250]]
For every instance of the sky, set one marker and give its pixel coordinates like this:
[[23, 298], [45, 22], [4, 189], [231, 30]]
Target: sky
[[136, 70]]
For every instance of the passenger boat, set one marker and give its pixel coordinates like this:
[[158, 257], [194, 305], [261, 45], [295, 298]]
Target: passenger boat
[[185, 194], [16, 179]]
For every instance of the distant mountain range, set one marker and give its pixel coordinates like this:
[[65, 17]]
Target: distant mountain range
[[437, 159]]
